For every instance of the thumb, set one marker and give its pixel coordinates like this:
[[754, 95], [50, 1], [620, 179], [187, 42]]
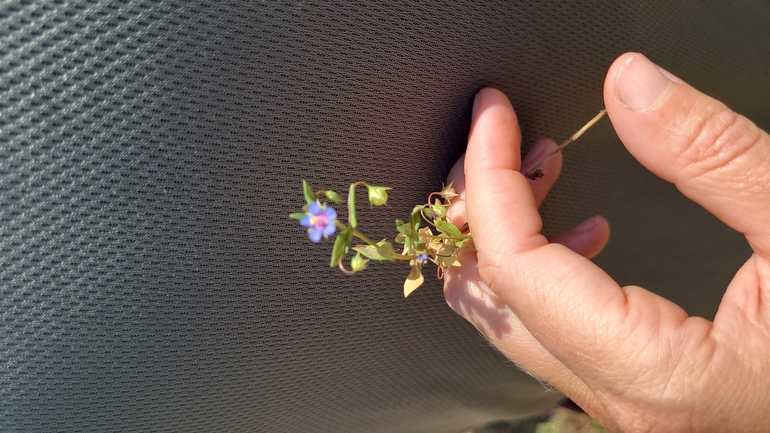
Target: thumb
[[715, 157]]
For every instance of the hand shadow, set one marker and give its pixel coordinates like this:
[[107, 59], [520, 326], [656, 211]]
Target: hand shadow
[[467, 295]]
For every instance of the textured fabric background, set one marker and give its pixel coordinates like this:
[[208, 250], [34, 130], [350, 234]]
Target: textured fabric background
[[150, 153]]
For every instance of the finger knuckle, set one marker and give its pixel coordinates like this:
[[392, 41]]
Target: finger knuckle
[[715, 138], [489, 272]]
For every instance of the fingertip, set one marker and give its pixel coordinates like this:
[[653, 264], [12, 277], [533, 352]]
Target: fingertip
[[634, 95], [484, 95], [587, 238], [634, 84], [495, 135], [498, 197], [611, 78]]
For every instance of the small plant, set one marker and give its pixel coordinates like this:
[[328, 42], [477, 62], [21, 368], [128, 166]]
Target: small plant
[[437, 240]]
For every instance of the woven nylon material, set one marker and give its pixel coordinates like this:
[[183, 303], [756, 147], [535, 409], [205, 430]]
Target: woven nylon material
[[152, 151]]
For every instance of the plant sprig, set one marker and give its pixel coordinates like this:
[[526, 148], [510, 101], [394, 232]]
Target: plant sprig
[[426, 235], [438, 241]]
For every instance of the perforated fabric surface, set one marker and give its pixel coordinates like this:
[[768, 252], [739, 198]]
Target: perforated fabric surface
[[152, 151]]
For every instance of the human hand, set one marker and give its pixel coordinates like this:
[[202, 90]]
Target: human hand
[[633, 360]]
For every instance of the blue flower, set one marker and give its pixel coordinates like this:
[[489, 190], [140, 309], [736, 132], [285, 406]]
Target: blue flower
[[319, 220], [421, 258]]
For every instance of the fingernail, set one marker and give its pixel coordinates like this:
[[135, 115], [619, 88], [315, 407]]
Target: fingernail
[[535, 153], [640, 84], [587, 224], [475, 106]]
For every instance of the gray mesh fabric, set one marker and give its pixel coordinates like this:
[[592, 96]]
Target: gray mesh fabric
[[150, 154]]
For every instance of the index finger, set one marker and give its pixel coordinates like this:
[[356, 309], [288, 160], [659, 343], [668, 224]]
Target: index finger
[[561, 297], [492, 164]]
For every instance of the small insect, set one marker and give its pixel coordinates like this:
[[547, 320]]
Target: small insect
[[536, 173]]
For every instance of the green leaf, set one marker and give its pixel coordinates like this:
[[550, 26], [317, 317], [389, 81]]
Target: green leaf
[[358, 263], [448, 228], [442, 249], [414, 224], [400, 238], [439, 210], [467, 247], [308, 190], [352, 206], [340, 247], [297, 215], [332, 196], [385, 249], [413, 281], [446, 262], [414, 221], [418, 208], [369, 251], [382, 251], [403, 228], [465, 244]]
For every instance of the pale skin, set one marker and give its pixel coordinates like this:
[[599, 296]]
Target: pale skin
[[633, 360]]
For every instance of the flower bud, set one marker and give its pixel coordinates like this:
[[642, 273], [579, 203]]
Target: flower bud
[[378, 195], [332, 196], [358, 262]]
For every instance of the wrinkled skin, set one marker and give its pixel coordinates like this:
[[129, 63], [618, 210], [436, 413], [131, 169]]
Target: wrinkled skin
[[633, 360]]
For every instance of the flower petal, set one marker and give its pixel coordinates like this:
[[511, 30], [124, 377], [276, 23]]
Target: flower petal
[[330, 229], [315, 234], [314, 208], [330, 213], [306, 221]]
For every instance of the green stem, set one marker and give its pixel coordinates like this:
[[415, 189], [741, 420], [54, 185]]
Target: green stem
[[354, 232], [361, 236], [454, 238], [344, 270], [568, 141]]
